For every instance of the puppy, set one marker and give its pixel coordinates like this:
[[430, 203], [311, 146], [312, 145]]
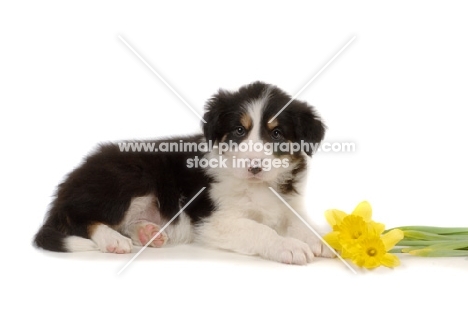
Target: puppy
[[123, 194]]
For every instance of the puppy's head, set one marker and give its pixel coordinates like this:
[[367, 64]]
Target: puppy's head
[[267, 142]]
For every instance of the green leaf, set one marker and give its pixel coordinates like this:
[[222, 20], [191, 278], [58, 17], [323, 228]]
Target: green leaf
[[439, 253], [412, 248], [450, 245], [397, 250], [422, 235], [407, 242], [435, 229]]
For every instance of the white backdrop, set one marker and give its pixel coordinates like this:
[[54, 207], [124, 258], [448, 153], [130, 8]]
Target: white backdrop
[[399, 91]]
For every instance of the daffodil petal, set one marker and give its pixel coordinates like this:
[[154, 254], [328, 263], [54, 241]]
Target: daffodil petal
[[391, 238], [363, 210], [349, 251], [390, 260], [334, 216], [332, 240], [377, 228]]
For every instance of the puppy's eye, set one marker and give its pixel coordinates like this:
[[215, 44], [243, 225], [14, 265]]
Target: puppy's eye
[[276, 134], [239, 131]]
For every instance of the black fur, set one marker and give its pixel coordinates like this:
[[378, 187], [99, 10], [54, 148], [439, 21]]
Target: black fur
[[297, 122], [100, 190]]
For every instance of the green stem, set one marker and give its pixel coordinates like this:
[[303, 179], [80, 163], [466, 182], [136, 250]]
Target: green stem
[[439, 253]]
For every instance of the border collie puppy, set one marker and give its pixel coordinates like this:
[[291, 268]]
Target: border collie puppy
[[117, 199]]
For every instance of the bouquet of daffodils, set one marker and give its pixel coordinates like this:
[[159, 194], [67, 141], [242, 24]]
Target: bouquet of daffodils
[[367, 244]]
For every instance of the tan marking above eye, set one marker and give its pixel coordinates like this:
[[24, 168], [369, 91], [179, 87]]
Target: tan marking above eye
[[273, 124], [246, 121]]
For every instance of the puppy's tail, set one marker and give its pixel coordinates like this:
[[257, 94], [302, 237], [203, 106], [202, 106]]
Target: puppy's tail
[[51, 239]]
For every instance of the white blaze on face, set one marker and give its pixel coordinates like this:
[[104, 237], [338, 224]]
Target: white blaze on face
[[251, 152], [255, 112], [254, 151]]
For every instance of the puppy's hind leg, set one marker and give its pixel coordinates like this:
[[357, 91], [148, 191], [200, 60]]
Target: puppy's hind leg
[[142, 222], [142, 231], [109, 240]]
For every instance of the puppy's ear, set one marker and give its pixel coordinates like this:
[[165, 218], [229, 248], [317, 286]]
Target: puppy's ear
[[214, 110], [309, 127], [209, 128]]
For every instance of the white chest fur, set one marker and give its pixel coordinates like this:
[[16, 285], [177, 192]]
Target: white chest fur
[[255, 201]]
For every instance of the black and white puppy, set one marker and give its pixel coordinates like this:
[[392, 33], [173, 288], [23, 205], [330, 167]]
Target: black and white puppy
[[118, 198]]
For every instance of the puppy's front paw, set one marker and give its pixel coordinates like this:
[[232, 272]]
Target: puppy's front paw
[[319, 248], [291, 251]]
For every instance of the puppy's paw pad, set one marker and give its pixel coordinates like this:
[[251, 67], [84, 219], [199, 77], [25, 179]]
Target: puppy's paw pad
[[147, 231]]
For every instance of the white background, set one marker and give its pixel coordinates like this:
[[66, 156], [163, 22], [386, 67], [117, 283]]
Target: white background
[[399, 92]]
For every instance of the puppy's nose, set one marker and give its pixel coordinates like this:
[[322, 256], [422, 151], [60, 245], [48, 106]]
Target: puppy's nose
[[255, 170]]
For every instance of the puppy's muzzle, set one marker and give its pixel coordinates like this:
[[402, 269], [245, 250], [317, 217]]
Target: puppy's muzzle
[[255, 170], [255, 166]]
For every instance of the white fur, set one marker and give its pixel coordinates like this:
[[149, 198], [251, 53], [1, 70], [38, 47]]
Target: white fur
[[255, 111], [78, 244], [143, 211], [180, 232], [252, 220], [109, 240], [141, 208]]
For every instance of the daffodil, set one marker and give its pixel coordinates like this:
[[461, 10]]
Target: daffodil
[[351, 228], [363, 210], [360, 239], [372, 252]]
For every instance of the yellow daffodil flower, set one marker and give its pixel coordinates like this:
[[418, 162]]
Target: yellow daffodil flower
[[335, 217], [350, 231], [359, 238], [351, 227], [372, 252]]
